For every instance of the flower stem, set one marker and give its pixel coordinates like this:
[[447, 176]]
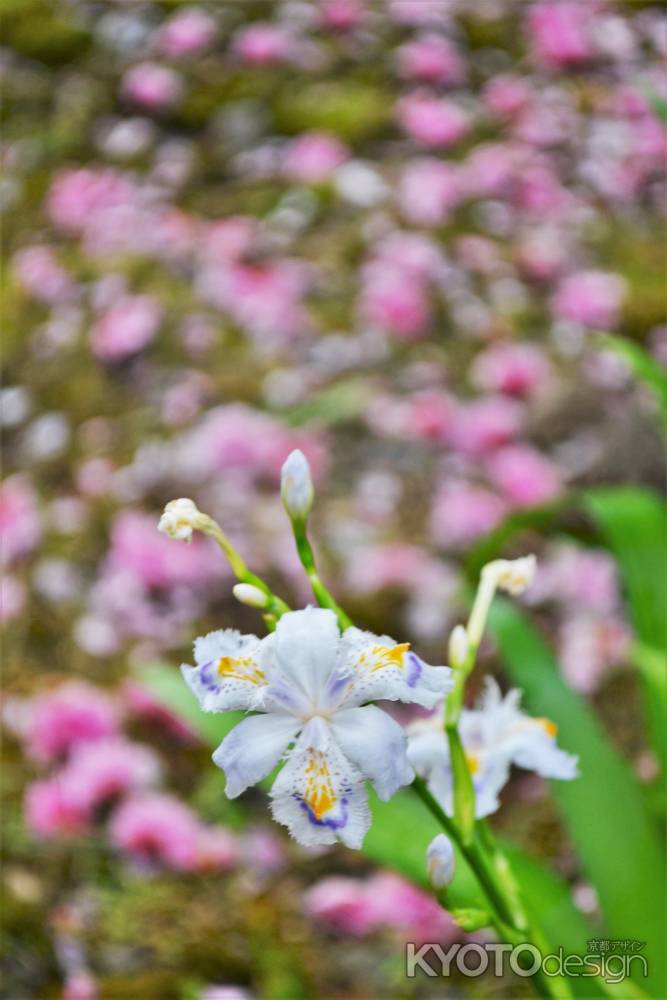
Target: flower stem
[[275, 606], [322, 595]]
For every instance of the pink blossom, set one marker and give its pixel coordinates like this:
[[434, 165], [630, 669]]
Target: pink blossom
[[543, 253], [76, 195], [262, 43], [126, 327], [477, 253], [12, 597], [247, 444], [462, 513], [186, 33], [48, 813], [105, 769], [489, 171], [20, 522], [216, 850], [506, 95], [139, 549], [392, 303], [430, 59], [313, 156], [230, 239], [157, 828], [341, 15], [343, 904], [410, 910], [263, 851], [153, 86], [519, 369], [432, 121], [41, 275], [589, 646], [582, 579], [559, 32], [94, 477], [72, 714], [428, 191], [80, 985], [592, 298], [524, 476], [394, 564], [480, 426], [264, 299]]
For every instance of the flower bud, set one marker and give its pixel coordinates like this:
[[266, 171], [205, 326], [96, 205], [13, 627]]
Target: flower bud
[[248, 594], [440, 861], [516, 575], [180, 518], [458, 647], [296, 486]]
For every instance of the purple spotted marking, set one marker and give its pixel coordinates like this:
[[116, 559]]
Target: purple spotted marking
[[333, 824], [207, 680], [415, 670]]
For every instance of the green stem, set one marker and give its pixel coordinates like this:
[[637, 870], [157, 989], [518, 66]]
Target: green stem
[[275, 606], [502, 903], [322, 595]]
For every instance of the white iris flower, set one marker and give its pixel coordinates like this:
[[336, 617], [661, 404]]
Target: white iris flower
[[311, 686], [495, 735]]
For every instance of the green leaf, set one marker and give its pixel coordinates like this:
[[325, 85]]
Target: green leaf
[[644, 367], [604, 808], [633, 523]]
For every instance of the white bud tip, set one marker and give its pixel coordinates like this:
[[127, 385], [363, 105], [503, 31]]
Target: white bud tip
[[296, 485], [248, 594], [179, 519], [458, 647], [517, 575], [440, 861]]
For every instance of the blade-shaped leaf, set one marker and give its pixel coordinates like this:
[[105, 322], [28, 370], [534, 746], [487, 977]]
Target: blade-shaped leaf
[[633, 523], [604, 809]]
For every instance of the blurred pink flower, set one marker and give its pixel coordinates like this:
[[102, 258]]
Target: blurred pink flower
[[138, 548], [48, 813], [428, 190], [262, 44], [72, 714], [12, 597], [410, 910], [157, 828], [431, 59], [592, 298], [463, 512], [432, 121], [390, 302], [506, 95], [589, 646], [125, 328], [80, 985], [186, 33], [153, 86], [343, 904], [42, 276], [313, 156], [359, 906], [100, 771], [560, 31], [524, 476], [518, 369], [479, 426], [76, 195], [341, 15], [216, 849], [20, 522]]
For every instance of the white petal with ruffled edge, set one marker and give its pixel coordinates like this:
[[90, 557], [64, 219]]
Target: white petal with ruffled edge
[[230, 672], [253, 748], [319, 795], [536, 750], [376, 743], [379, 668]]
